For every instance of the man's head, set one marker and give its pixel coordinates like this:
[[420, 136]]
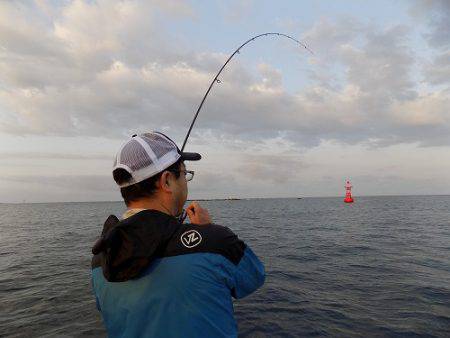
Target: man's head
[[150, 167]]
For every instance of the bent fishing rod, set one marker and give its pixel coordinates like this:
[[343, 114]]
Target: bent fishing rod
[[216, 78]]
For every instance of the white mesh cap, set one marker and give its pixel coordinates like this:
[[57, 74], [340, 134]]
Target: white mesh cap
[[146, 155]]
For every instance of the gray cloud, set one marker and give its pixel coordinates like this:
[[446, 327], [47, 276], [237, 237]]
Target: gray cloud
[[326, 37], [437, 14], [381, 68], [86, 183], [39, 188], [273, 168], [438, 72], [55, 156]]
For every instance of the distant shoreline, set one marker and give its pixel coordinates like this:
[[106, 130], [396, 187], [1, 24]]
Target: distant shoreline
[[233, 199]]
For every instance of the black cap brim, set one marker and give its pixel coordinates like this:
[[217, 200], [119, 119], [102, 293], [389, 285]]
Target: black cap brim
[[190, 156]]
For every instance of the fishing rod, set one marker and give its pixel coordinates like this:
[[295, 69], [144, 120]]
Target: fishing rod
[[216, 78]]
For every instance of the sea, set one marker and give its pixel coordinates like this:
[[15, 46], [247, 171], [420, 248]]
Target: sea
[[379, 267]]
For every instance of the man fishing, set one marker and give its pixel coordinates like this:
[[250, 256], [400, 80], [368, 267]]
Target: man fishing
[[154, 276]]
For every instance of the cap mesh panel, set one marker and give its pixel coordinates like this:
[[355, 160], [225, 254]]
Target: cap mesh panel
[[134, 156], [159, 144]]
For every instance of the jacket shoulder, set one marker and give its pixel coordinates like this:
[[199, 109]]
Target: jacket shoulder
[[209, 238]]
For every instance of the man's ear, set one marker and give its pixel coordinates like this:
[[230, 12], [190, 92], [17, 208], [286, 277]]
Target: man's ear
[[165, 181]]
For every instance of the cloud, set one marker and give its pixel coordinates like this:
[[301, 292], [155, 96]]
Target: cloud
[[272, 168], [91, 68], [437, 15], [381, 67], [438, 72], [64, 188], [328, 36], [268, 169], [54, 156], [86, 183], [378, 66]]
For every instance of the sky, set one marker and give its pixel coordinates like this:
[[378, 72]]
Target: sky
[[372, 104]]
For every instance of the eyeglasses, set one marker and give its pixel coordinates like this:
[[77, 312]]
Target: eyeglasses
[[188, 174]]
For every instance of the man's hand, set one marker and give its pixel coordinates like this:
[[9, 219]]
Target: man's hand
[[198, 215]]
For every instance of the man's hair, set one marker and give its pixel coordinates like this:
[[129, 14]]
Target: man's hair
[[145, 188]]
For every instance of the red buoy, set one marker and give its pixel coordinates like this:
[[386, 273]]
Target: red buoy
[[348, 193]]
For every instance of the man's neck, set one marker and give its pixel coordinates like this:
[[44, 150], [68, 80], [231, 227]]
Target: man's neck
[[152, 204]]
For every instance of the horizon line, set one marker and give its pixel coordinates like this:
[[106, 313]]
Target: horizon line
[[232, 198]]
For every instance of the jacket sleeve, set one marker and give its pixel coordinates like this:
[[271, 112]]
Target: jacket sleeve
[[248, 275], [242, 271]]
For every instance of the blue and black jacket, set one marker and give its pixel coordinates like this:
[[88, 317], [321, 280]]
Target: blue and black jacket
[[155, 277]]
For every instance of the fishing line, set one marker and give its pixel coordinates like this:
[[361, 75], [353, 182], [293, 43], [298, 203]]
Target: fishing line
[[216, 78]]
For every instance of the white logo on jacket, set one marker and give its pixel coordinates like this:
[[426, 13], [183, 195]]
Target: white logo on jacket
[[191, 238]]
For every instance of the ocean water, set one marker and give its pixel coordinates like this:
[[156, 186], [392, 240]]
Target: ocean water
[[377, 268]]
